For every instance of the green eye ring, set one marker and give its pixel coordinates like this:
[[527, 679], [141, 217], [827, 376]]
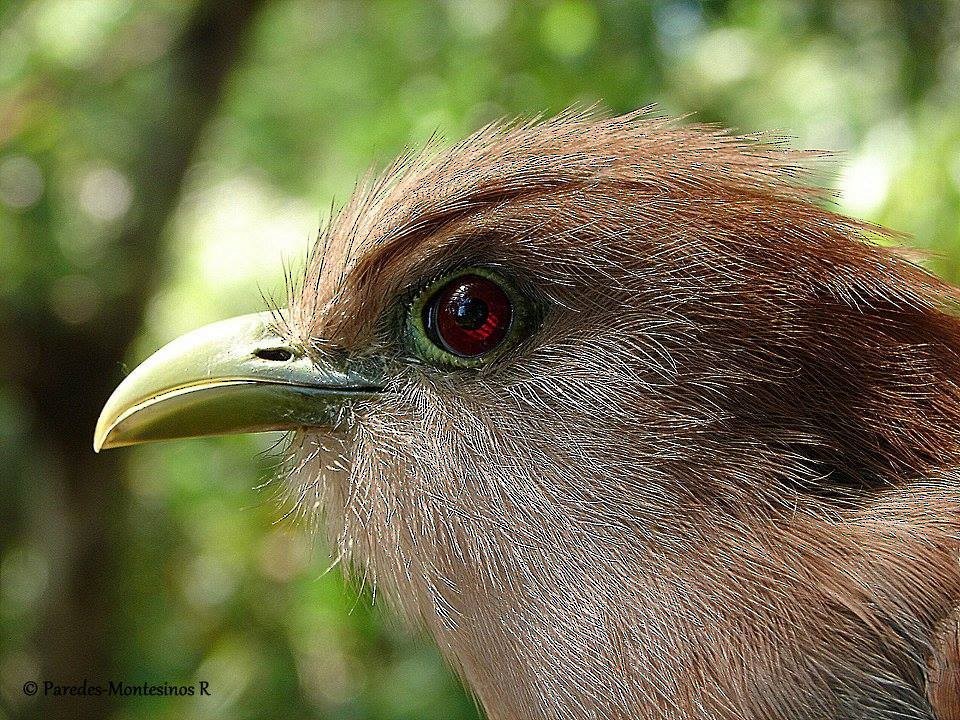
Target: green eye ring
[[465, 318]]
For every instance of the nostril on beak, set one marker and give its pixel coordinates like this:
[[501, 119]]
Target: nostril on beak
[[275, 354]]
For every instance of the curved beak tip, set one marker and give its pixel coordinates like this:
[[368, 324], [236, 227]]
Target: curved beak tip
[[124, 404], [99, 440], [102, 435], [218, 380]]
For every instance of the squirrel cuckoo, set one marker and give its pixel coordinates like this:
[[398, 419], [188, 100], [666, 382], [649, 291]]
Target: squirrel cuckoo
[[623, 417]]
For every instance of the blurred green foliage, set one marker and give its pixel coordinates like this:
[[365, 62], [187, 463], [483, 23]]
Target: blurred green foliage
[[204, 585]]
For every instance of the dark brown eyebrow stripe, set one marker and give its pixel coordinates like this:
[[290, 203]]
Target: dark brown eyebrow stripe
[[398, 243]]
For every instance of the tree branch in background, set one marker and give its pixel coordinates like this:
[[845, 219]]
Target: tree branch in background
[[68, 386]]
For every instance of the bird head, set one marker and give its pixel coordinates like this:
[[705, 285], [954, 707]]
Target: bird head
[[621, 414]]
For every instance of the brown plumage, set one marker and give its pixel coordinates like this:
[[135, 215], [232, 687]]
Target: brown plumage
[[710, 469], [715, 478]]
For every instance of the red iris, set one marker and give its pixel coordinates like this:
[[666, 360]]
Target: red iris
[[469, 316]]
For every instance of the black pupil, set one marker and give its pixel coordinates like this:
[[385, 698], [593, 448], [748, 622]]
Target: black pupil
[[470, 312]]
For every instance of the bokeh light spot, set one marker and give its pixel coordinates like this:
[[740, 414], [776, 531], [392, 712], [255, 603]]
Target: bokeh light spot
[[864, 184], [21, 182], [476, 18], [75, 299], [105, 193], [569, 28]]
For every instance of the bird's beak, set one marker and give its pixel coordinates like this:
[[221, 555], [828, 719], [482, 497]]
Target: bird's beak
[[233, 376]]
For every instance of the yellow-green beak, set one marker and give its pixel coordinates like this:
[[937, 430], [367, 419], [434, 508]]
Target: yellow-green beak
[[233, 376]]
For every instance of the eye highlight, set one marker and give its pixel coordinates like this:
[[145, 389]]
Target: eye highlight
[[462, 319]]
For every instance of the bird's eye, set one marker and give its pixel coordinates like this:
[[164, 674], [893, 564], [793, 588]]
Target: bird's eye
[[469, 316], [461, 319]]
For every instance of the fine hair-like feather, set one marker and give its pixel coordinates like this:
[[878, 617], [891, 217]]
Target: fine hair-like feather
[[718, 477]]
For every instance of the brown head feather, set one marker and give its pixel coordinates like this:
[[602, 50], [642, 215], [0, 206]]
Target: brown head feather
[[714, 479]]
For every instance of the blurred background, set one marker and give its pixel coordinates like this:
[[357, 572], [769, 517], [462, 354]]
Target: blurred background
[[161, 159]]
